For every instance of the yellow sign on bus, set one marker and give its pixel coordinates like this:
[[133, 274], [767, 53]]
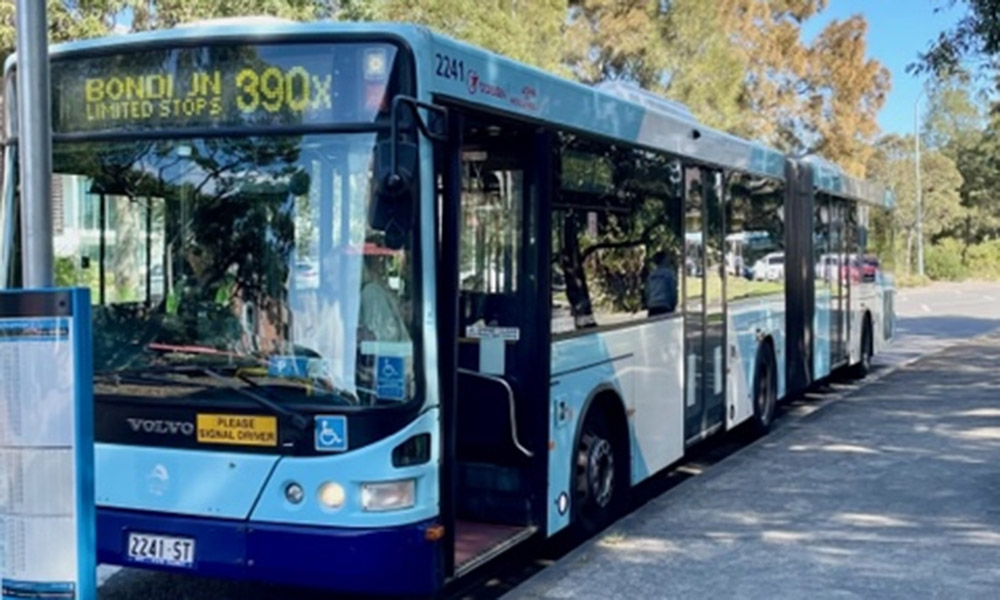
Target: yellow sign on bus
[[238, 430]]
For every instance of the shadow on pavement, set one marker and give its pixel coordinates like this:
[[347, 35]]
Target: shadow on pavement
[[893, 492]]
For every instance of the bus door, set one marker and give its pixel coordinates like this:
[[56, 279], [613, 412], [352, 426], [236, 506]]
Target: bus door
[[704, 303], [499, 414], [840, 281]]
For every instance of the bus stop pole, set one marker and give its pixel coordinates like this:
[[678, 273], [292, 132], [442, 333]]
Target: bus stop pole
[[34, 143]]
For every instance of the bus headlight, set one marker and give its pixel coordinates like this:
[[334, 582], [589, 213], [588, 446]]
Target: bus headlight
[[331, 495], [389, 495]]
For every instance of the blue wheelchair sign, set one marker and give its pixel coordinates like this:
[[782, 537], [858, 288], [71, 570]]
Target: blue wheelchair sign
[[331, 433], [390, 378]]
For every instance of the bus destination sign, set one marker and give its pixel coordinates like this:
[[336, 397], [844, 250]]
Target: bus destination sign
[[261, 86]]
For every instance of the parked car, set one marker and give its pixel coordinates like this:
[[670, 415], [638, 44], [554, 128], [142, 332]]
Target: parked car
[[770, 267]]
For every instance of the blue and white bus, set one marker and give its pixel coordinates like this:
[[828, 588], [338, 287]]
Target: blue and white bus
[[373, 306]]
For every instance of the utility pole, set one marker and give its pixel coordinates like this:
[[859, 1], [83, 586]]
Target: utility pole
[[920, 199], [34, 141]]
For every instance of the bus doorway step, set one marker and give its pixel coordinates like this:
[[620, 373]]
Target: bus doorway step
[[476, 542]]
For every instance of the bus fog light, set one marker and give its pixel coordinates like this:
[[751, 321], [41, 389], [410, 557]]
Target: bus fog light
[[331, 495], [294, 493], [389, 495]]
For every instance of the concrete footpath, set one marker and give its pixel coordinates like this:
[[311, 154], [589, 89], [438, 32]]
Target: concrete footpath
[[890, 492]]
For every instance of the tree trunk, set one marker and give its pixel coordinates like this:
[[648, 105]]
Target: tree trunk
[[909, 251], [967, 240]]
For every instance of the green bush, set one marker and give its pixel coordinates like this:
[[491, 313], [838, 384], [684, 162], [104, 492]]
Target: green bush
[[944, 261], [983, 260]]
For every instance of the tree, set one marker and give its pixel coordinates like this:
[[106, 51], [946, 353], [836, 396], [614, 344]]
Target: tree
[[894, 163], [846, 91], [957, 125], [67, 20], [976, 36], [612, 40], [702, 69], [160, 14], [525, 30], [820, 98], [767, 34], [954, 118]]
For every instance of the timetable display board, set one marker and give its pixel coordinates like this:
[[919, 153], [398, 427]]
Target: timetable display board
[[270, 85], [47, 527]]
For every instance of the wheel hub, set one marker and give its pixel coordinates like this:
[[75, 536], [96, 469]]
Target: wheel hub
[[601, 472]]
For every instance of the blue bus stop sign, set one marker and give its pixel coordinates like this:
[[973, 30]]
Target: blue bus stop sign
[[47, 519]]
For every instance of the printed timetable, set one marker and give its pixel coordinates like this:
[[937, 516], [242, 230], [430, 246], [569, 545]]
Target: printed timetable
[[37, 533]]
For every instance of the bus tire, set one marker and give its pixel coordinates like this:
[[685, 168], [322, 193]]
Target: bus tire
[[600, 472], [765, 391], [864, 365]]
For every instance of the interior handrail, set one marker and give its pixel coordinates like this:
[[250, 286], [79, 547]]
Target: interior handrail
[[510, 401]]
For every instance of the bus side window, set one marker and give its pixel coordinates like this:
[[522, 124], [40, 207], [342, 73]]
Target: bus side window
[[616, 231]]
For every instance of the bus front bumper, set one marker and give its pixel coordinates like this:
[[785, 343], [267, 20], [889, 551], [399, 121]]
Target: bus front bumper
[[392, 560]]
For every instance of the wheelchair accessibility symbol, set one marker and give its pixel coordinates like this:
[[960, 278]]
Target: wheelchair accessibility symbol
[[331, 433], [390, 377]]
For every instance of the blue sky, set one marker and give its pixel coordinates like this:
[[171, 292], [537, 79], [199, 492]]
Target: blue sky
[[897, 31]]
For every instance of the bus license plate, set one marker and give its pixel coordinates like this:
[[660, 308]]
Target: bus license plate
[[160, 550]]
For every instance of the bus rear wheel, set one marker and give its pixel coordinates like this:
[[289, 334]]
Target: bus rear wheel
[[600, 478], [765, 392], [864, 366]]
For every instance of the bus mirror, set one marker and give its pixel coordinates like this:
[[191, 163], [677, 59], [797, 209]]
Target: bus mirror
[[396, 165], [392, 204]]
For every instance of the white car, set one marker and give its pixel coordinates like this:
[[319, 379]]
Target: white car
[[771, 267]]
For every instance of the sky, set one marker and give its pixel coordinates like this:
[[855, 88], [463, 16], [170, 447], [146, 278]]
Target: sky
[[898, 30]]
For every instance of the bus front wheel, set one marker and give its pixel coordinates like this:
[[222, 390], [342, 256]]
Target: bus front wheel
[[601, 480]]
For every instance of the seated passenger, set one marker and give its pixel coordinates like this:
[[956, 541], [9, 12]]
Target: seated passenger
[[661, 286], [381, 317]]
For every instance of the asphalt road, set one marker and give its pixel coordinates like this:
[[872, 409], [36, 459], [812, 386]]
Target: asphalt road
[[929, 319], [933, 317], [889, 493]]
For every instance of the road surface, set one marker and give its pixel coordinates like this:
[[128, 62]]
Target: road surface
[[891, 492]]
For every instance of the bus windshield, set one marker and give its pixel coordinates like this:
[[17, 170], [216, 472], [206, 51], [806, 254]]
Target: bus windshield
[[255, 253]]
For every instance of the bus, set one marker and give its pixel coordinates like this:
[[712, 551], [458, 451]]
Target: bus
[[373, 307]]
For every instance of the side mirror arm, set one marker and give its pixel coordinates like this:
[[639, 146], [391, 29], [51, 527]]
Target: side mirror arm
[[394, 180]]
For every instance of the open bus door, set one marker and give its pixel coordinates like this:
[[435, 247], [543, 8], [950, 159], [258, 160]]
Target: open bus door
[[704, 304], [494, 336]]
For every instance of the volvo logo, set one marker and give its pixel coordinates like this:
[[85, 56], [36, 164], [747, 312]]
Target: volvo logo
[[161, 426]]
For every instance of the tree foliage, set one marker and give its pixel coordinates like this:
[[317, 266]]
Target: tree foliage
[[526, 30], [959, 126], [702, 69], [894, 162], [846, 91], [159, 14], [976, 36]]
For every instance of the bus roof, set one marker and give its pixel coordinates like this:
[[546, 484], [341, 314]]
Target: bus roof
[[830, 178], [473, 76]]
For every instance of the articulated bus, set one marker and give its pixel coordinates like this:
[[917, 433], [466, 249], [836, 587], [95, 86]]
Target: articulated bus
[[372, 306]]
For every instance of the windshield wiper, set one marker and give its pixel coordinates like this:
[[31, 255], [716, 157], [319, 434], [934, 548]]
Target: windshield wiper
[[299, 420], [322, 384], [159, 377]]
